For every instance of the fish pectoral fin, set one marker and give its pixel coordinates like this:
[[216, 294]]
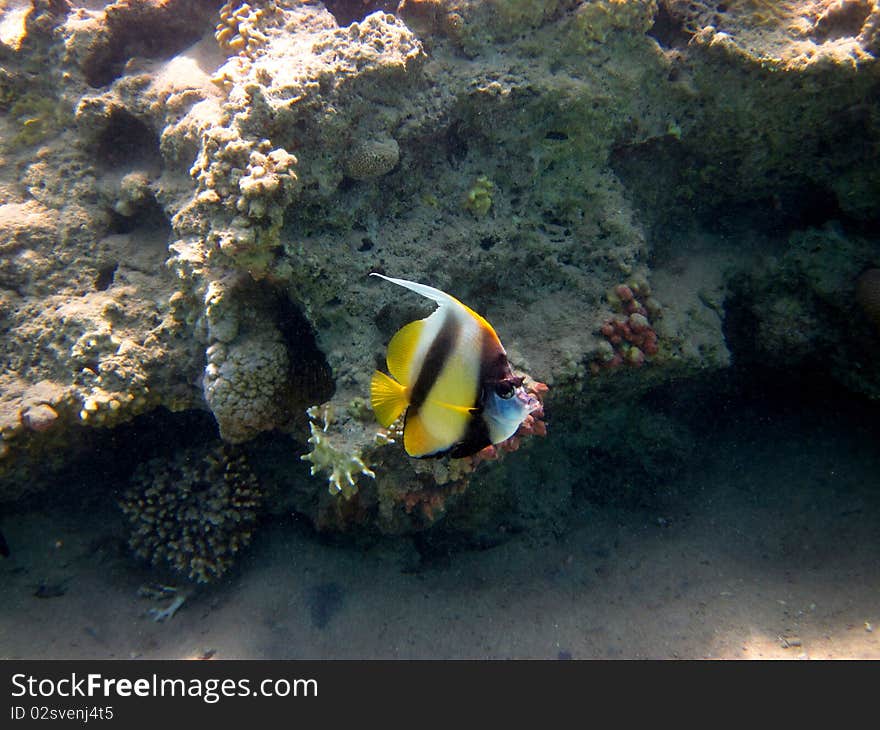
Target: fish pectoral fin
[[453, 407], [388, 398]]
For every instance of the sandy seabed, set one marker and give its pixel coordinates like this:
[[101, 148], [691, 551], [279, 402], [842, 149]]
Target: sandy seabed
[[771, 551]]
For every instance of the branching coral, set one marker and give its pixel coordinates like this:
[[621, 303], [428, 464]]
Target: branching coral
[[330, 457], [194, 512]]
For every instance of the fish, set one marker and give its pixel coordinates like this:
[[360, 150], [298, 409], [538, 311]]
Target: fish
[[450, 375]]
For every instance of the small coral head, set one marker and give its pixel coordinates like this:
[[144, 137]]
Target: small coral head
[[638, 322], [635, 357]]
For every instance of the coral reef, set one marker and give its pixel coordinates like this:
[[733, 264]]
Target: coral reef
[[201, 190], [243, 382], [239, 27], [102, 41], [786, 33], [37, 118], [764, 148], [193, 513], [430, 502]]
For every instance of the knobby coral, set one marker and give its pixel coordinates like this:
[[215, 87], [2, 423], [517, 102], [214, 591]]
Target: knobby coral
[[630, 336], [241, 27], [479, 198], [244, 382]]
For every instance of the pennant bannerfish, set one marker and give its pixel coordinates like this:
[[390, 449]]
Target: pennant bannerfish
[[450, 374]]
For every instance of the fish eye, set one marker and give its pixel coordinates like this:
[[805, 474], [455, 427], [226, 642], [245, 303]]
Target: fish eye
[[505, 390]]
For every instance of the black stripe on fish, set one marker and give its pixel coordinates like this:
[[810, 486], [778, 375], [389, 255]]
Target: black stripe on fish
[[494, 370], [4, 546], [435, 360], [476, 438]]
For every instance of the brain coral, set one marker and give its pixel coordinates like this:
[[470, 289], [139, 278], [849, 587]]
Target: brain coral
[[193, 513], [372, 158]]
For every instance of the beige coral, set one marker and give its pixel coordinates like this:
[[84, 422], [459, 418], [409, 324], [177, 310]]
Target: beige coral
[[372, 158], [134, 193], [244, 382], [240, 26]]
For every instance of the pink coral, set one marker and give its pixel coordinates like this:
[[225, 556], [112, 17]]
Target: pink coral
[[431, 501], [629, 336]]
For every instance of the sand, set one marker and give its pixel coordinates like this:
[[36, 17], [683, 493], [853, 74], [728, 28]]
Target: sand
[[770, 549]]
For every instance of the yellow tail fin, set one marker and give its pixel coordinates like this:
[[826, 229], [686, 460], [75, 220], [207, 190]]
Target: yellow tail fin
[[388, 397]]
